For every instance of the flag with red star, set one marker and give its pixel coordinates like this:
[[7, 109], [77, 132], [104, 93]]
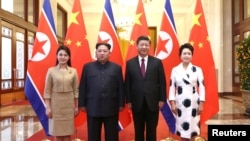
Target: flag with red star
[[108, 34], [43, 56], [203, 57], [167, 50], [76, 40]]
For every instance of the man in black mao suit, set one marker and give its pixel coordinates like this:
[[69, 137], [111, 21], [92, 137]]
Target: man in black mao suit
[[101, 95], [145, 95]]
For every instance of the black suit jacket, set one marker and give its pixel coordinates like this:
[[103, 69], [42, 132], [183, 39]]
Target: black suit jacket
[[101, 89], [152, 87]]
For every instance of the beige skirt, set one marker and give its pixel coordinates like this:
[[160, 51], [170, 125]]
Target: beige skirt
[[62, 121]]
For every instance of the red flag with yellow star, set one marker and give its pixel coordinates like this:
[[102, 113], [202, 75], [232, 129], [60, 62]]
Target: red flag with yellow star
[[203, 57], [76, 40], [140, 28]]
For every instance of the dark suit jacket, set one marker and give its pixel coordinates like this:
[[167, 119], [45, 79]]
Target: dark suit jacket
[[152, 86], [101, 89]]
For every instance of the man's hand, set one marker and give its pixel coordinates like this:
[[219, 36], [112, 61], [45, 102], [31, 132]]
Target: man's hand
[[83, 109]]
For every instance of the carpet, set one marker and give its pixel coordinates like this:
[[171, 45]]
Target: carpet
[[125, 135]]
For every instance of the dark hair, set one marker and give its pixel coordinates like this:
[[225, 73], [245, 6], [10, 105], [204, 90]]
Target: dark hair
[[142, 38], [65, 48], [188, 46], [101, 43]]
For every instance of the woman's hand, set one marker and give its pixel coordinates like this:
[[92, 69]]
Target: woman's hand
[[174, 109], [76, 111], [200, 109], [48, 112]]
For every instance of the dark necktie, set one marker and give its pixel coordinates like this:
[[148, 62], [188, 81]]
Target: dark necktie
[[142, 67]]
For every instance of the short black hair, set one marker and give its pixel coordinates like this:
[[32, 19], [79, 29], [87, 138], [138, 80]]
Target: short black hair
[[188, 46], [142, 38], [101, 43]]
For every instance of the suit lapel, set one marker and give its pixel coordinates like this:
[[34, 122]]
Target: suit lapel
[[149, 65], [136, 65], [184, 75], [190, 72]]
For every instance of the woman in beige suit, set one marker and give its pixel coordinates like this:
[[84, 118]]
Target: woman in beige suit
[[61, 96]]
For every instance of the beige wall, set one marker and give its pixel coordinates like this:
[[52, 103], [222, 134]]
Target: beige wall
[[218, 18], [226, 48]]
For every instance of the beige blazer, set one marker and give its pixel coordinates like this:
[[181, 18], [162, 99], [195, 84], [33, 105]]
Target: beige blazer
[[61, 81]]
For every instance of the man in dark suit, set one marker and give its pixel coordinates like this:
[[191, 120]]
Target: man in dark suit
[[101, 95], [145, 93]]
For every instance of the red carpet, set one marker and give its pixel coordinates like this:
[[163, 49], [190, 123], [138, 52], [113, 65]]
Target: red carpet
[[126, 135]]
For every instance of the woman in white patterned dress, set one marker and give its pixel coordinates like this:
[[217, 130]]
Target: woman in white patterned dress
[[187, 94]]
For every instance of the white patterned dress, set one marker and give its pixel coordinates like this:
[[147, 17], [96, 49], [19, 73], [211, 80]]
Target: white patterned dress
[[187, 90]]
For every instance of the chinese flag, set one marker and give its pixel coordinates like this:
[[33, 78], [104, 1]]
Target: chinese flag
[[108, 34], [203, 57], [140, 28], [167, 50], [76, 40]]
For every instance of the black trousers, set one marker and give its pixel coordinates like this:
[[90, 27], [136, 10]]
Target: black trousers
[[110, 128], [145, 118]]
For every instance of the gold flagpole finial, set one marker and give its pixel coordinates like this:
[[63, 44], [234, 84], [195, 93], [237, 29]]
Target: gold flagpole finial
[[169, 139], [75, 137], [199, 138], [45, 137]]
